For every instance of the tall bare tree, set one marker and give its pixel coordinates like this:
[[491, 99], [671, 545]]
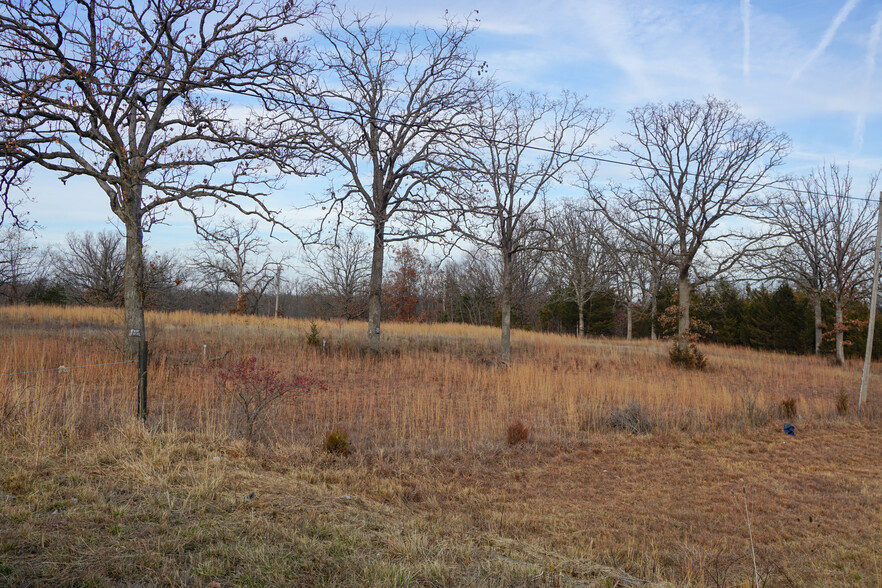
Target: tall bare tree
[[699, 168], [340, 269], [846, 238], [800, 218], [382, 101], [21, 263], [578, 259], [521, 145], [126, 93], [825, 240], [235, 253], [91, 268]]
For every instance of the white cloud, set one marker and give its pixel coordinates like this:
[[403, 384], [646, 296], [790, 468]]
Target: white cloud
[[829, 34], [872, 51], [745, 20]]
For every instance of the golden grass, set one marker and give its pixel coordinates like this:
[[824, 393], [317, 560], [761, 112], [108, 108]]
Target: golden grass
[[432, 493], [435, 385]]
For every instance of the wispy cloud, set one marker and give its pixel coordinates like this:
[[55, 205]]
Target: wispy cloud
[[745, 20], [872, 51], [829, 34]]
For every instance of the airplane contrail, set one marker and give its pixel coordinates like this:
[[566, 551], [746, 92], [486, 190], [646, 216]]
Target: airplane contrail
[[745, 20], [827, 38], [872, 51]]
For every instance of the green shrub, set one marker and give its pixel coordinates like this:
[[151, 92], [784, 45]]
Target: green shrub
[[312, 338], [337, 442], [690, 358]]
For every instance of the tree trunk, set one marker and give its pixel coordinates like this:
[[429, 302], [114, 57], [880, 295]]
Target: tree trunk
[[581, 330], [840, 346], [683, 326], [630, 314], [819, 324], [133, 282], [505, 321], [375, 289], [653, 313]]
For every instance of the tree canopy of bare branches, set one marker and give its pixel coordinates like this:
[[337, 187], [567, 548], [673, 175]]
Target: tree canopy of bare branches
[[521, 145], [700, 167], [235, 253], [126, 93], [579, 260], [341, 269], [382, 101]]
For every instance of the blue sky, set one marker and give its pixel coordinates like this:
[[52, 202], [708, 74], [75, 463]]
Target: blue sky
[[810, 69]]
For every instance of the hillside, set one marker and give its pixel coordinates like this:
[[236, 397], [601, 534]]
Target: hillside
[[632, 471]]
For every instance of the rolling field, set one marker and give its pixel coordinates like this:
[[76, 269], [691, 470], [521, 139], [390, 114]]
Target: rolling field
[[633, 473]]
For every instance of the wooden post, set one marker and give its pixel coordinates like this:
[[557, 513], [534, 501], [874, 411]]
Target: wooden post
[[865, 377], [142, 380]]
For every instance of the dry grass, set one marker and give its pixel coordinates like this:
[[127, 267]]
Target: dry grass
[[432, 493]]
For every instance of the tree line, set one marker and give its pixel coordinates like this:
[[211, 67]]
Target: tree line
[[420, 146]]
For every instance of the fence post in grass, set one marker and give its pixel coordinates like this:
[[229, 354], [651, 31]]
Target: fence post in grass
[[865, 377], [142, 380]]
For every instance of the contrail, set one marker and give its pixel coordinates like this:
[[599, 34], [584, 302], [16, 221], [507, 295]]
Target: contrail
[[745, 20], [872, 51], [827, 38]]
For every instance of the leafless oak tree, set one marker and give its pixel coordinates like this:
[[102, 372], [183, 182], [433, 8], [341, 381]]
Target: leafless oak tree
[[799, 217], [91, 267], [127, 94], [382, 101], [21, 263], [341, 270], [846, 238], [578, 260], [235, 253], [699, 168], [522, 144]]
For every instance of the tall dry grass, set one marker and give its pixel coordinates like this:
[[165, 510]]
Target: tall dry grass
[[434, 386]]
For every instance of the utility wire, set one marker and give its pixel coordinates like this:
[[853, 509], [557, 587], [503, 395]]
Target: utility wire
[[64, 368], [423, 126]]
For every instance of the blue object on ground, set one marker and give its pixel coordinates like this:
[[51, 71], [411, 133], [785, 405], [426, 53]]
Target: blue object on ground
[[789, 429]]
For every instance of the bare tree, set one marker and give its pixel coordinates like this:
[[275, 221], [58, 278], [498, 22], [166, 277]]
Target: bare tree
[[341, 270], [21, 263], [579, 261], [631, 279], [642, 251], [846, 239], [235, 253], [800, 218], [469, 288], [382, 101], [521, 145], [699, 167], [125, 94], [91, 267]]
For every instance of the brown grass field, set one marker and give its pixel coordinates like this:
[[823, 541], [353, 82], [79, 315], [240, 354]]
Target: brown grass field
[[635, 473]]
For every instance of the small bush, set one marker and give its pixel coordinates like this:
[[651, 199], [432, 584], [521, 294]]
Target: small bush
[[788, 408], [632, 418], [842, 403], [337, 442], [690, 358], [254, 389], [312, 338], [517, 432]]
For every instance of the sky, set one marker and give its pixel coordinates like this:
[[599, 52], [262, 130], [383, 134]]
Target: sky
[[809, 68]]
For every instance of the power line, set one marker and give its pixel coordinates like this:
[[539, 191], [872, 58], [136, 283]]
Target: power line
[[424, 126]]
